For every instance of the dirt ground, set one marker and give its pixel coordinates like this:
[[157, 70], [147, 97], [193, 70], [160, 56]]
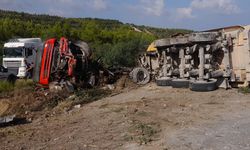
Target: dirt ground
[[148, 117]]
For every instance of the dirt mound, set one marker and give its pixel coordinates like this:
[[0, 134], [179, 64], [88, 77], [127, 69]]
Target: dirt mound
[[31, 103], [124, 82], [21, 102]]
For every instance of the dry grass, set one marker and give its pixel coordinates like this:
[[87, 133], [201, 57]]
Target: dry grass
[[142, 133], [8, 87], [89, 95], [244, 90]]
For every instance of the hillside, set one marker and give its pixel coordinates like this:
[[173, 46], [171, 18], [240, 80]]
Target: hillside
[[120, 42]]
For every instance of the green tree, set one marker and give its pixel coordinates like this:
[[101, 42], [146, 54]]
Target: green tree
[[117, 43]]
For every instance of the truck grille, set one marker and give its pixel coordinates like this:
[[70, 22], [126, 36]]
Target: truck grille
[[11, 64]]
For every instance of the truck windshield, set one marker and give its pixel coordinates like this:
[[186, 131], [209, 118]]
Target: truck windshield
[[13, 52]]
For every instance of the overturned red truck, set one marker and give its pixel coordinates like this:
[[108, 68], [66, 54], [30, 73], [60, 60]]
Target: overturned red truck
[[65, 63]]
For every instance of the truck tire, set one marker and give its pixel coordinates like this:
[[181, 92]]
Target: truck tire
[[180, 83], [140, 76], [163, 82], [203, 86]]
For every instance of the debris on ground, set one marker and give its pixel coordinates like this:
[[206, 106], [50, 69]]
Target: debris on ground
[[28, 102], [7, 119], [4, 106]]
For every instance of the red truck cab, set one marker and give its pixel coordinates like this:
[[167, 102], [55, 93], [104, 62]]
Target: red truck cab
[[54, 58], [64, 60]]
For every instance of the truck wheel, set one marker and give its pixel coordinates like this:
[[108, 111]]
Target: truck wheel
[[140, 76], [163, 82], [203, 86], [180, 83]]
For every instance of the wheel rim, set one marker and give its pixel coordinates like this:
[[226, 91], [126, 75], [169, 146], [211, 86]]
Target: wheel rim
[[141, 76]]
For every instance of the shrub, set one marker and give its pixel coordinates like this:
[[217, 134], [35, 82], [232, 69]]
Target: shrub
[[23, 83], [6, 86]]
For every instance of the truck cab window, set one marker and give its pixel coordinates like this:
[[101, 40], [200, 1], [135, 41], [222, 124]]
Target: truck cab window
[[29, 52], [13, 52]]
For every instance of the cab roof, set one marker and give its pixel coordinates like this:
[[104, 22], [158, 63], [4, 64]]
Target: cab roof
[[24, 42], [19, 44]]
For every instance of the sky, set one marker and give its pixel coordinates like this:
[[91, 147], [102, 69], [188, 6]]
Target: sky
[[189, 14]]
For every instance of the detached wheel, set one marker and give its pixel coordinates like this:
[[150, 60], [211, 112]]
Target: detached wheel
[[203, 86], [140, 76], [180, 83], [163, 82]]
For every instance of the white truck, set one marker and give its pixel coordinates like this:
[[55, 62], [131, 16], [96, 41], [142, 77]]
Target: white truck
[[18, 53]]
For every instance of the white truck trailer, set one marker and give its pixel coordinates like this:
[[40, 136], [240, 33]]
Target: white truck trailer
[[18, 53]]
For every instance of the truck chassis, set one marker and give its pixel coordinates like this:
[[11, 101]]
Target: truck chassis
[[201, 61]]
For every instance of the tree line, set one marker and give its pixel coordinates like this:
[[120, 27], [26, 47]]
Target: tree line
[[115, 42]]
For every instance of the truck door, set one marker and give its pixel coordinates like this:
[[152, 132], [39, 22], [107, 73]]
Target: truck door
[[29, 55], [37, 63]]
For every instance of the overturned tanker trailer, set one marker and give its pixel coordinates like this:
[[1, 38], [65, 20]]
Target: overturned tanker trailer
[[201, 61]]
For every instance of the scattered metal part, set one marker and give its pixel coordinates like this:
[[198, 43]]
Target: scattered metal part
[[7, 119]]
